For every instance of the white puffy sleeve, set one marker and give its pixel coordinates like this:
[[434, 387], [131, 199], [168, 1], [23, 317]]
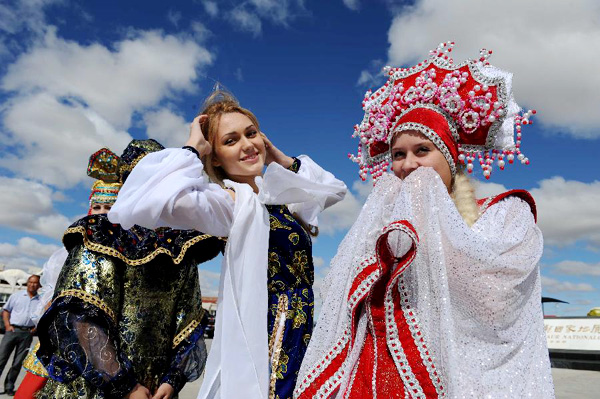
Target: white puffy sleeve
[[495, 289], [307, 192], [168, 188]]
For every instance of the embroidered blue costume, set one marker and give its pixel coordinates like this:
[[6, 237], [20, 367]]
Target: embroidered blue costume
[[291, 300]]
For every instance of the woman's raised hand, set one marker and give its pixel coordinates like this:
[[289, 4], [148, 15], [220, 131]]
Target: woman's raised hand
[[274, 154], [197, 139]]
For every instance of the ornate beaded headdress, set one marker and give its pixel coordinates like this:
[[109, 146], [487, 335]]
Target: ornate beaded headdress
[[133, 153], [467, 110], [103, 165]]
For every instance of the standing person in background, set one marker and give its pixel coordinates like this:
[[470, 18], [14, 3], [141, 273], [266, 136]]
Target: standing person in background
[[102, 196], [19, 329], [265, 305]]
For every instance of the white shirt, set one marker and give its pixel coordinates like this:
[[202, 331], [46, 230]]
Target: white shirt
[[22, 308]]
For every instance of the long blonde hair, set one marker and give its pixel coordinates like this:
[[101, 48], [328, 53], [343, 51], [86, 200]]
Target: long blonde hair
[[218, 103], [463, 195]]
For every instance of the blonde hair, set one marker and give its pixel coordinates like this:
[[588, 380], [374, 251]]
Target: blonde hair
[[218, 103], [463, 195]]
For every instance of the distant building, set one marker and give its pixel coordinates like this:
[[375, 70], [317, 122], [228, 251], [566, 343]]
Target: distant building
[[210, 303]]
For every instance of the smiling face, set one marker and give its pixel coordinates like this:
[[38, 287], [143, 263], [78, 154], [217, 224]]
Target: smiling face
[[239, 148], [411, 150]]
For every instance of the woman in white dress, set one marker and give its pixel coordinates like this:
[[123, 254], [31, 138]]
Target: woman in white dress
[[433, 293], [264, 317]]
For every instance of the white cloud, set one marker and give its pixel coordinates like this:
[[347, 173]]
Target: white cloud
[[211, 8], [550, 46], [246, 21], [58, 130], [279, 11], [363, 188], [576, 268], [174, 17], [28, 246], [27, 206], [168, 128], [318, 261], [24, 14], [568, 211], [340, 216], [200, 31], [487, 189], [249, 15], [137, 74], [209, 281], [552, 285], [77, 98], [238, 75], [354, 5]]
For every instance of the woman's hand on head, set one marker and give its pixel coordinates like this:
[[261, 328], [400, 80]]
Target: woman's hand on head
[[197, 139], [274, 154]]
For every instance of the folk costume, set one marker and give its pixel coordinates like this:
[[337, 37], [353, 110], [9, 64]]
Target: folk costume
[[265, 303], [127, 306], [102, 166], [422, 303]]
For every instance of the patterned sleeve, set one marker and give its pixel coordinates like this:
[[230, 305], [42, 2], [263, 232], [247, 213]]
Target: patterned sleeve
[[78, 333], [189, 348]]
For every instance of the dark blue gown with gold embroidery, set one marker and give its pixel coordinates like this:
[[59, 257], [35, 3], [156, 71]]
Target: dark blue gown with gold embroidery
[[291, 300]]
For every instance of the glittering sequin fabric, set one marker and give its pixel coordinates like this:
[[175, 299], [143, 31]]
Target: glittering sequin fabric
[[127, 309], [291, 300], [455, 312]]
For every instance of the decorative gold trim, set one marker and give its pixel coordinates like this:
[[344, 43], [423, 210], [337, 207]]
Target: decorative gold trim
[[134, 262], [183, 334], [89, 298], [33, 365], [276, 341]]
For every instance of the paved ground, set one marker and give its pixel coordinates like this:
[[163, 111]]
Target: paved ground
[[569, 384]]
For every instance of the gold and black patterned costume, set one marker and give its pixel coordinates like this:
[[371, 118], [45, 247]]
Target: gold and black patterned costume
[[126, 310]]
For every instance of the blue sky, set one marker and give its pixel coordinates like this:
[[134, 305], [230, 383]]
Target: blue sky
[[77, 76]]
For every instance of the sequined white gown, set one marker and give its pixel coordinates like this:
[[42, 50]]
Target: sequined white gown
[[440, 309]]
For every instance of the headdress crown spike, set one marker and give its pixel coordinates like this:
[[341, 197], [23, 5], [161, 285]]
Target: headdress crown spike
[[474, 97]]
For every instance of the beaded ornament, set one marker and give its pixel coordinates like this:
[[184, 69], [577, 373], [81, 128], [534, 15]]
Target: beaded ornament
[[474, 97], [103, 165]]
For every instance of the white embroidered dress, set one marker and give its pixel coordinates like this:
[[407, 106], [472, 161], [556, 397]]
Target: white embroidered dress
[[168, 188], [461, 314]]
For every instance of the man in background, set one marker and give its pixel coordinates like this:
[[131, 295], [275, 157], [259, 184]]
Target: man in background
[[19, 330]]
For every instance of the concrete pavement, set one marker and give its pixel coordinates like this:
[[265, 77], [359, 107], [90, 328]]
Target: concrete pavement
[[568, 384]]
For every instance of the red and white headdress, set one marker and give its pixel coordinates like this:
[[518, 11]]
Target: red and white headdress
[[467, 110]]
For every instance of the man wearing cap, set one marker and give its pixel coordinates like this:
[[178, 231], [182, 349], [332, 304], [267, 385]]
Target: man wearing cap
[[19, 329]]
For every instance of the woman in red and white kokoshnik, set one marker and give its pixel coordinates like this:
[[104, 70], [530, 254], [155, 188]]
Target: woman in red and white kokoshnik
[[432, 293]]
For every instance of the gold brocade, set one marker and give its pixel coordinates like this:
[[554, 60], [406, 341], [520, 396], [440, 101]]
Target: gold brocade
[[134, 262], [33, 365], [275, 342], [157, 306]]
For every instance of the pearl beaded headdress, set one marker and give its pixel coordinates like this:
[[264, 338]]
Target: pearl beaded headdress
[[467, 110]]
